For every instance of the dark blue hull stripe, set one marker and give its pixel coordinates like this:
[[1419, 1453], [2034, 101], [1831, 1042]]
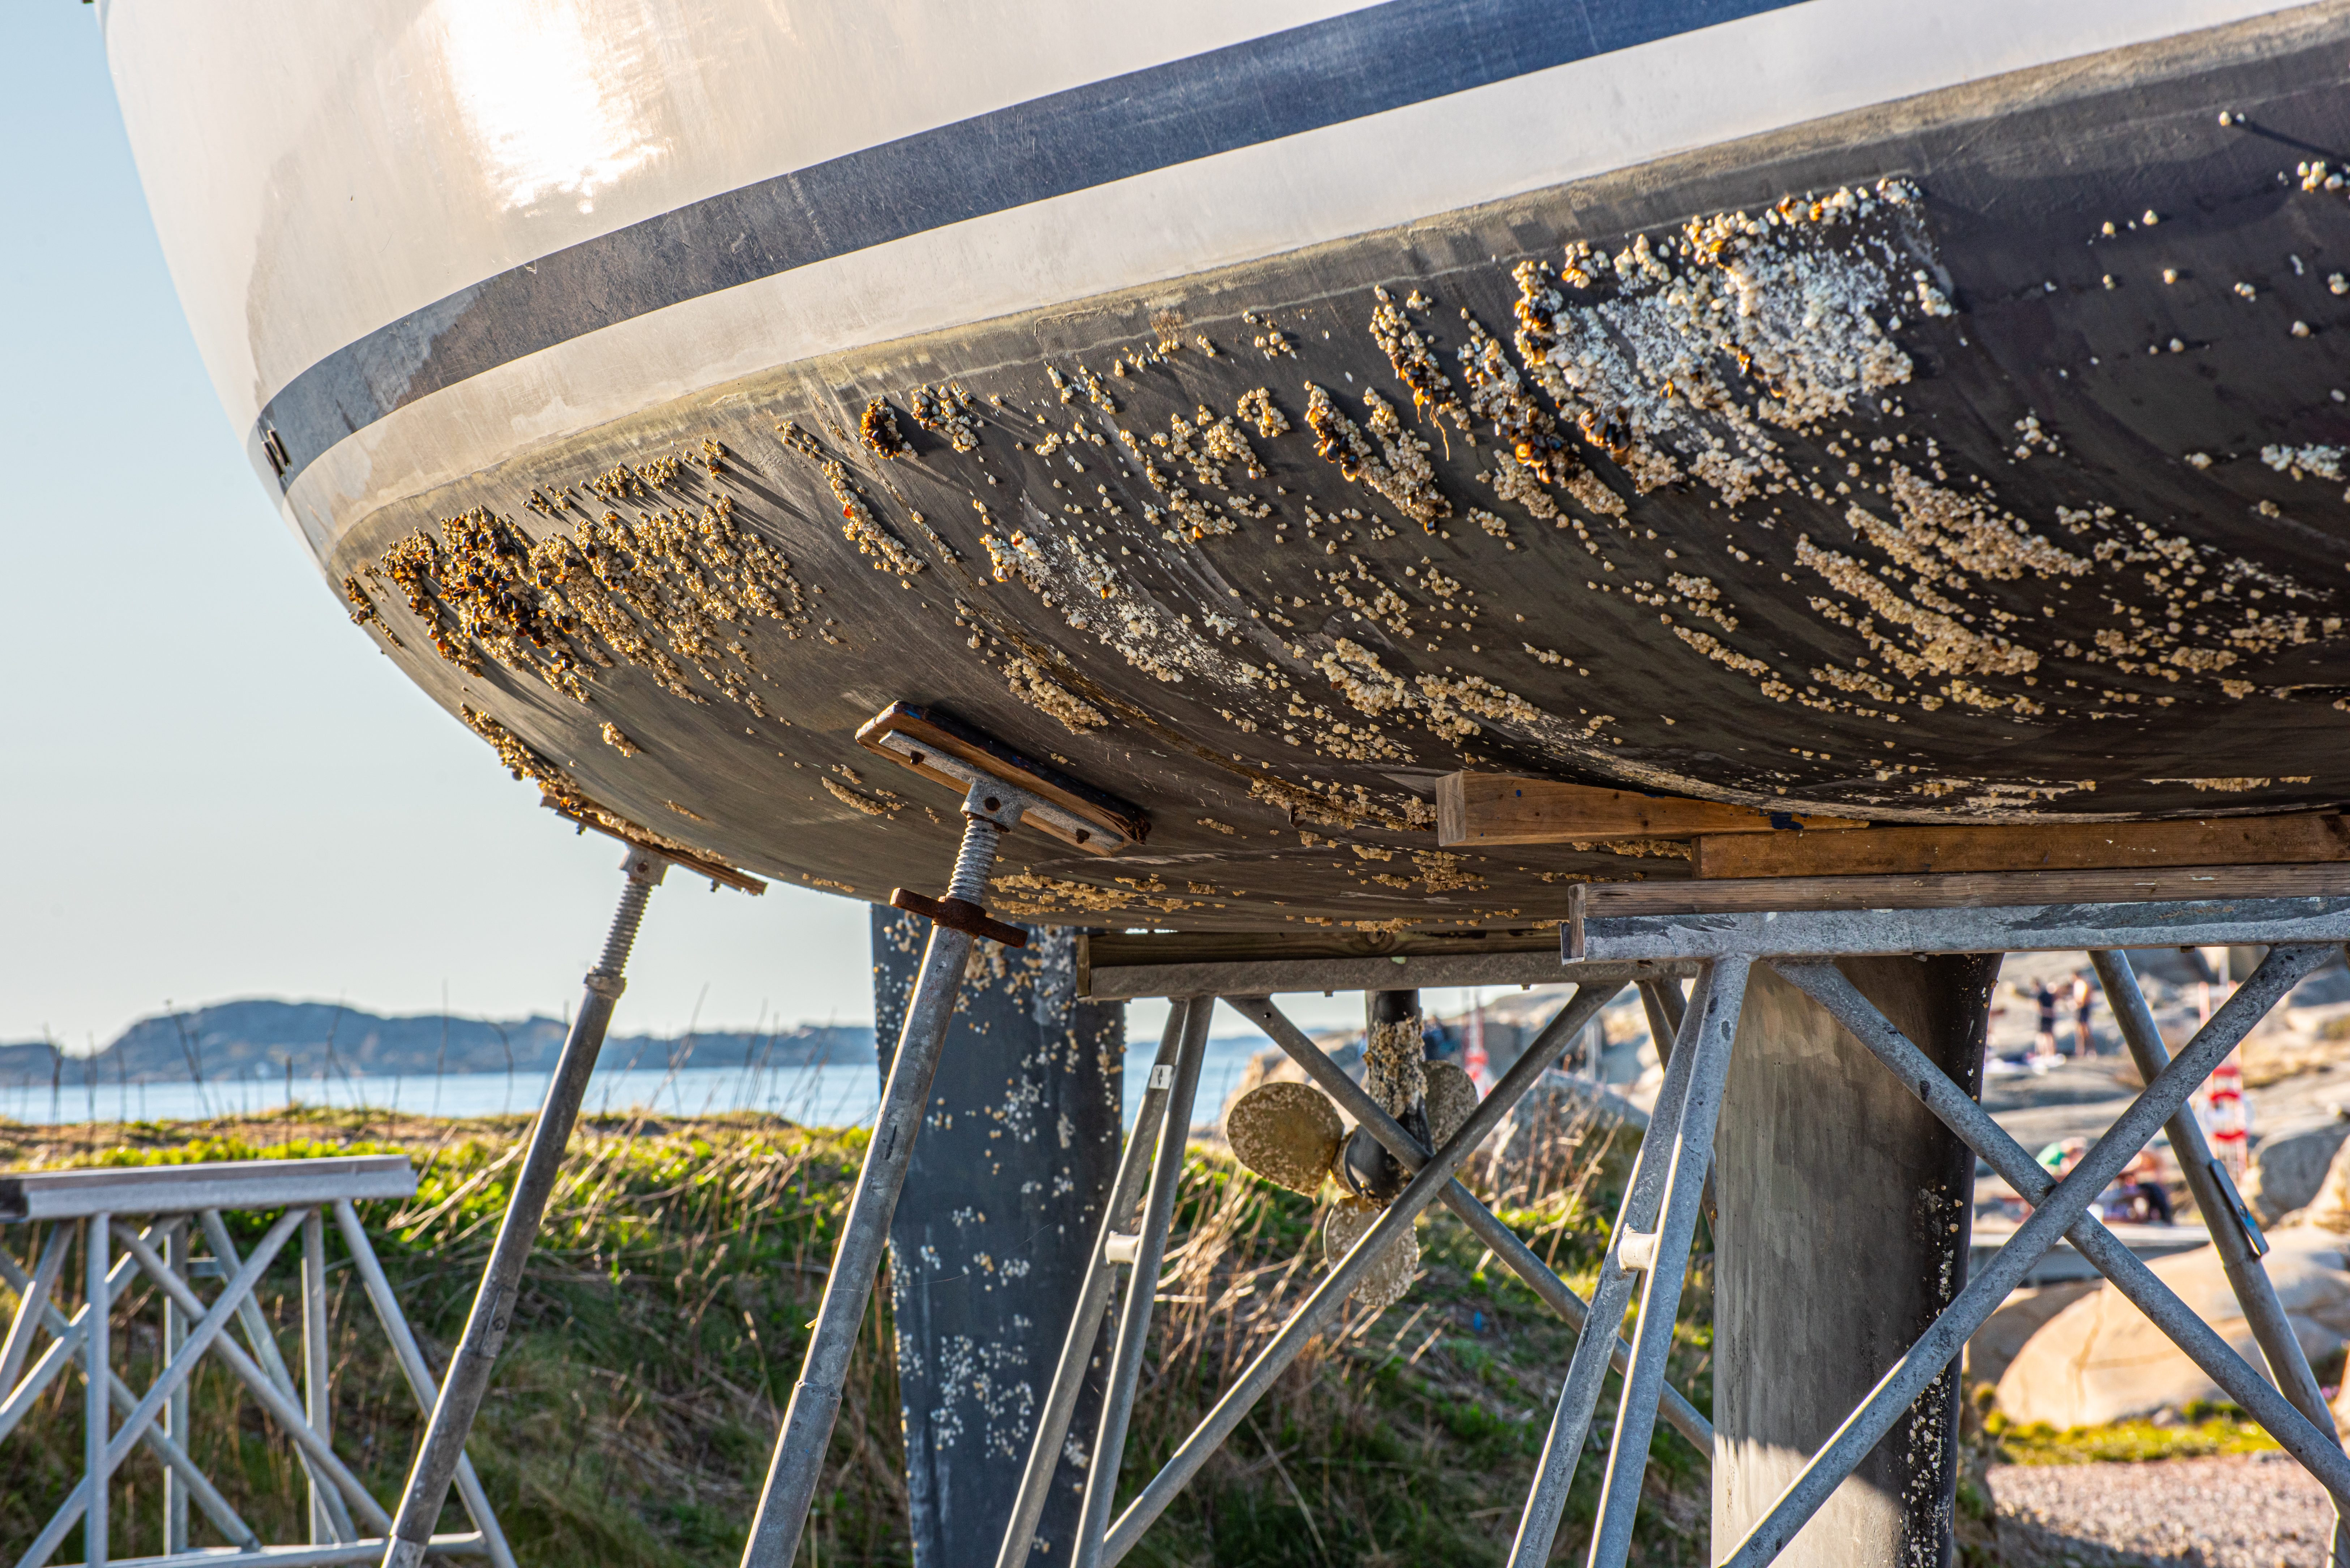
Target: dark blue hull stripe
[[1364, 63]]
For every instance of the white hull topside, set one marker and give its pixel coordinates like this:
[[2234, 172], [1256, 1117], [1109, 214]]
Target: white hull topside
[[317, 174]]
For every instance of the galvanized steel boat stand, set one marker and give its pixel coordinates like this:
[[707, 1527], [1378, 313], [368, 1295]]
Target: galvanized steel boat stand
[[1649, 1246], [442, 1451], [1002, 790], [347, 1524]]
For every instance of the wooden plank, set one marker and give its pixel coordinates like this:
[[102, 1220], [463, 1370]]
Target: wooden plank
[[1483, 809], [1128, 949], [1956, 889], [1887, 851]]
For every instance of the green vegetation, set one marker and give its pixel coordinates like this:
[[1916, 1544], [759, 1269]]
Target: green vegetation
[[2206, 1429], [661, 1330]]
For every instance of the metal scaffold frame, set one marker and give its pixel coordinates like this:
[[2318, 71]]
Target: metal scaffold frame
[[1649, 1243], [347, 1524], [1716, 932]]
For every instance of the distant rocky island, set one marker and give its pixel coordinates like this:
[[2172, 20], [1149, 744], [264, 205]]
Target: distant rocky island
[[265, 1039]]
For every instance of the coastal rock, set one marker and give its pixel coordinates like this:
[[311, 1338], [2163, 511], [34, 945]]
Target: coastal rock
[[2101, 1360], [2289, 1165]]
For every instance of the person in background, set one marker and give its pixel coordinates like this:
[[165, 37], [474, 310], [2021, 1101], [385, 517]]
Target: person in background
[[2084, 1000], [2138, 1198], [2058, 1160], [2044, 1042], [2061, 1156]]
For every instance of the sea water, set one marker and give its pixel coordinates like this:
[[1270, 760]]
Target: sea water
[[838, 1093]]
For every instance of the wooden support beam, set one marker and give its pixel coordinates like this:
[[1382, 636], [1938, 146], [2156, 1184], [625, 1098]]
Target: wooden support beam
[[1480, 809], [2301, 838]]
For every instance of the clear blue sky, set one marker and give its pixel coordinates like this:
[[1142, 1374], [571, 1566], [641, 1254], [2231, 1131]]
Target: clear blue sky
[[216, 787]]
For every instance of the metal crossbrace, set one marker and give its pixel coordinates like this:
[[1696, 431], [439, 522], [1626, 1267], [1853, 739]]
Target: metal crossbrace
[[1481, 1221], [1113, 1244], [992, 808], [1327, 1298], [1655, 1225], [156, 1419], [1143, 1254], [2239, 1246], [1667, 1175]]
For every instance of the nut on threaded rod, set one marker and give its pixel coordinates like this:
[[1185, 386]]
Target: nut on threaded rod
[[645, 871], [990, 810]]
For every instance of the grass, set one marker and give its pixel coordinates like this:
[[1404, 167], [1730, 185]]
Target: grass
[[660, 1328], [2205, 1430]]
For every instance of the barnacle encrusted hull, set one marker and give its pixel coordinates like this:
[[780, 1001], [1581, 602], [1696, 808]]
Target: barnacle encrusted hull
[[1974, 456]]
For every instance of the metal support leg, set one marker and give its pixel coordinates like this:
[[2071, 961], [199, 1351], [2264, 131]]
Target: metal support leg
[[1578, 1395], [1321, 1305], [2059, 1212], [1650, 1245], [97, 1368], [1667, 1253], [32, 1295], [1661, 1000], [1093, 1301], [316, 1402], [175, 1414], [1149, 1251], [492, 1312], [1481, 1221], [2280, 1347], [991, 810]]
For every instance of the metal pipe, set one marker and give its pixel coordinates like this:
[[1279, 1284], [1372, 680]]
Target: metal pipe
[[1142, 1285], [1716, 1028], [476, 1357], [1611, 1295], [60, 1352], [98, 1368], [32, 1294], [1315, 1313], [2103, 1250], [814, 1408], [180, 1472], [2287, 1365], [1661, 1000], [280, 1409], [175, 1413], [263, 1340], [315, 1402], [418, 1372], [1093, 1300], [1481, 1221], [2263, 1313], [1908, 1378]]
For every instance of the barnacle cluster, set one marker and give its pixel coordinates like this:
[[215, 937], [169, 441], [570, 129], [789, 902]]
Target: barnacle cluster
[[653, 592], [562, 791]]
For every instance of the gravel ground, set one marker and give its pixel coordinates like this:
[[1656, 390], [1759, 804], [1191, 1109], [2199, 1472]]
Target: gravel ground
[[2245, 1510]]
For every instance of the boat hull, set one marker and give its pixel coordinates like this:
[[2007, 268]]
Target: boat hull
[[1850, 467]]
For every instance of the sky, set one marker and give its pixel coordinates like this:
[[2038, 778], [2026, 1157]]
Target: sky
[[218, 788]]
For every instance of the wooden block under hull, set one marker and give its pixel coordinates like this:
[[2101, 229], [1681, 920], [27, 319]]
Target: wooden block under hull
[[1476, 809], [2301, 838]]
